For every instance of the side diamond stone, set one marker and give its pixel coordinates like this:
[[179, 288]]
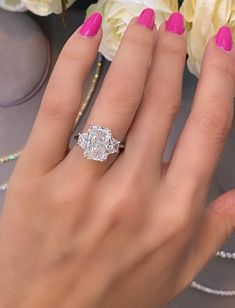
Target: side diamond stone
[[113, 146], [82, 140]]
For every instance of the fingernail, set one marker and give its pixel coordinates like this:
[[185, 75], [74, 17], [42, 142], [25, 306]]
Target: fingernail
[[175, 23], [224, 38], [147, 18], [92, 25]]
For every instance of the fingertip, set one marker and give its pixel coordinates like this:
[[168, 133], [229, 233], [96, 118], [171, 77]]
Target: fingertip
[[91, 26], [224, 38], [147, 18], [212, 48], [171, 35], [170, 43], [219, 61], [225, 203], [135, 23], [175, 23], [83, 45]]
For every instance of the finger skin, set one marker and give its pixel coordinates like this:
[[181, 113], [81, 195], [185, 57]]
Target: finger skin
[[161, 99], [122, 89], [216, 226], [49, 139], [208, 125]]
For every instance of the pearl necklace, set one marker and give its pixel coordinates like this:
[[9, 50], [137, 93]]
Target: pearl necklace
[[13, 156]]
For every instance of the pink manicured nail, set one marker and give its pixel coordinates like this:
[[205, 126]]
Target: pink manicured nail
[[175, 23], [92, 25], [147, 18], [224, 38]]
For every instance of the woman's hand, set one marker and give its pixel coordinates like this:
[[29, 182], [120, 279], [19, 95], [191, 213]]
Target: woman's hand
[[131, 231]]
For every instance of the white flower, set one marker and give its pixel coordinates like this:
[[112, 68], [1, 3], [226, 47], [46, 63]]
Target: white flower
[[203, 19], [38, 7], [45, 7], [118, 13], [13, 5]]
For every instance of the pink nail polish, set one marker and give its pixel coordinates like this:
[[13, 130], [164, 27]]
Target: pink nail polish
[[175, 23], [147, 18], [92, 25], [224, 38]]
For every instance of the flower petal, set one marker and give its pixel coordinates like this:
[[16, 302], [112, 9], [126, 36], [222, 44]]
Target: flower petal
[[13, 5]]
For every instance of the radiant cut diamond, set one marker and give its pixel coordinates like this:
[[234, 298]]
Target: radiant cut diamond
[[98, 143]]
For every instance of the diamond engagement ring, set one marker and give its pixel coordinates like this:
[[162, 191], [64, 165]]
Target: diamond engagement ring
[[98, 143]]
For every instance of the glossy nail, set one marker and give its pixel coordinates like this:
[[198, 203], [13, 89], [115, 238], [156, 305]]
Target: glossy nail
[[147, 18], [224, 38], [175, 23], [92, 25]]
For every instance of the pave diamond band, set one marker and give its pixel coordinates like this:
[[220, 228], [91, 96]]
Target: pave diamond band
[[98, 143]]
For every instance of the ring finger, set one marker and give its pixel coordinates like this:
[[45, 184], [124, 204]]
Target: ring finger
[[123, 87]]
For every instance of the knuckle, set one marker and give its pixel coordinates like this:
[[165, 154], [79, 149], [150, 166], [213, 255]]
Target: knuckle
[[178, 210], [165, 102], [121, 97], [56, 104], [182, 218], [126, 203], [62, 197], [221, 66], [169, 47], [215, 124], [71, 54], [138, 40], [126, 197]]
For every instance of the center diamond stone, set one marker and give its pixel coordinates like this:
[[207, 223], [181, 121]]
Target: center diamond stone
[[98, 143]]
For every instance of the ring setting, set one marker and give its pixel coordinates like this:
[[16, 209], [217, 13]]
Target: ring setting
[[98, 143]]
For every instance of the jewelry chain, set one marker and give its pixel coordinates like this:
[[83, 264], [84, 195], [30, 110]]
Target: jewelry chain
[[225, 293], [13, 156]]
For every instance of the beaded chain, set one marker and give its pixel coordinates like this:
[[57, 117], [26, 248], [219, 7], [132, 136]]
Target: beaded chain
[[227, 293], [14, 156], [6, 159], [9, 157]]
